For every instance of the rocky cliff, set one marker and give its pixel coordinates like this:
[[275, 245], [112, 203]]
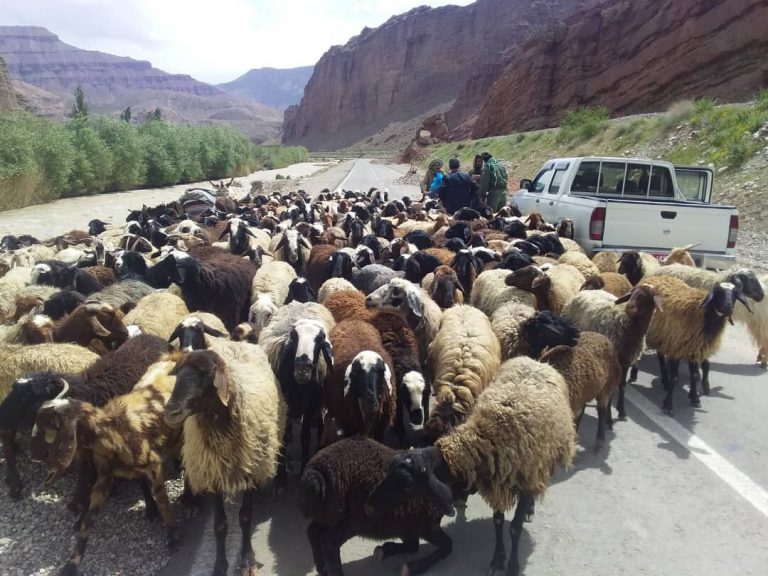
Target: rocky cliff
[[408, 66], [7, 93], [632, 56], [38, 58], [278, 88]]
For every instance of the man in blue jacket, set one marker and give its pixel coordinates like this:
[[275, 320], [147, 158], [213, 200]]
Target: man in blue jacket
[[457, 190]]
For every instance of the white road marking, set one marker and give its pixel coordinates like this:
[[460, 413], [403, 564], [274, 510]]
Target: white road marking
[[340, 187], [727, 472]]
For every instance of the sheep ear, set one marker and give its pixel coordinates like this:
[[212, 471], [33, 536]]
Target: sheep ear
[[305, 242], [98, 328], [327, 350], [176, 334], [413, 307], [213, 332], [624, 298], [708, 299], [740, 297], [227, 230], [658, 301], [250, 232], [282, 242], [538, 281], [221, 383], [442, 495]]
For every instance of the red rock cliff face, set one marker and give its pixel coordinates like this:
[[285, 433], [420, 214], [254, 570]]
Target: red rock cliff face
[[632, 56], [407, 66]]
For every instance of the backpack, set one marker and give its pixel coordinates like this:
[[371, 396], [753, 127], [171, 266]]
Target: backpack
[[435, 186], [498, 175]]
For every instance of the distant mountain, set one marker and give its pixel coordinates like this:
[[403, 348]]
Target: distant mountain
[[38, 58], [7, 93], [274, 87]]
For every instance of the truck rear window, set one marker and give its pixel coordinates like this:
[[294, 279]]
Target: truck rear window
[[586, 178]]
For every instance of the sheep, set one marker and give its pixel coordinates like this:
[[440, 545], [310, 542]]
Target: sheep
[[612, 282], [635, 265], [586, 360], [291, 247], [244, 240], [564, 228], [506, 322], [606, 262], [62, 303], [690, 326], [157, 314], [413, 305], [298, 346], [580, 261], [752, 287], [96, 326], [467, 264], [300, 291], [372, 277], [15, 280], [333, 285], [99, 380], [624, 321], [360, 395], [462, 359], [244, 333], [269, 291], [491, 292], [319, 268], [444, 287], [520, 431], [680, 255], [123, 295], [233, 416], [552, 289], [333, 495], [220, 284], [128, 437], [104, 275], [191, 331]]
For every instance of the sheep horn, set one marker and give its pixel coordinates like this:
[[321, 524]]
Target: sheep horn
[[64, 389], [691, 246]]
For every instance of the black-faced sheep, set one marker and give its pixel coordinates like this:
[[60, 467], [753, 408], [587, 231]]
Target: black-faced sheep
[[233, 419], [300, 291], [690, 326], [360, 394], [62, 303], [522, 424], [291, 247], [333, 495], [635, 265]]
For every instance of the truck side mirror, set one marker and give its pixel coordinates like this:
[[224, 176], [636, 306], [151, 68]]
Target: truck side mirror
[[525, 184]]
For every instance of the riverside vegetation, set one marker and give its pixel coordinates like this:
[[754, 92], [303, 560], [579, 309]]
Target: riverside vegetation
[[42, 160]]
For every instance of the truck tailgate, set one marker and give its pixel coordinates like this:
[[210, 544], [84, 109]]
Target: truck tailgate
[[653, 225]]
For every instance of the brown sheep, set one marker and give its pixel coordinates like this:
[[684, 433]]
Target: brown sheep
[[445, 288], [611, 282]]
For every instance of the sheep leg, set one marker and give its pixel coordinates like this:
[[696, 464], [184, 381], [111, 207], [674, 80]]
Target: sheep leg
[[620, 407], [314, 535], [248, 564], [99, 496], [663, 371], [705, 377], [86, 476], [332, 540], [150, 506], [499, 559], [12, 478], [579, 417], [444, 548], [674, 371], [633, 373], [407, 546], [668, 406], [306, 436], [282, 456], [524, 504], [163, 506], [693, 393], [221, 565], [601, 420]]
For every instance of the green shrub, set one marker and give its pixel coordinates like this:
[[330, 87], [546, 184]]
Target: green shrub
[[678, 112], [582, 124]]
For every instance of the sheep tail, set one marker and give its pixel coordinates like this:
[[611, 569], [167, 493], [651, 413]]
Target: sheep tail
[[314, 489]]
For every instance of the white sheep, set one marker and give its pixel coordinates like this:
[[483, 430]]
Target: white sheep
[[506, 322], [490, 292], [333, 285], [158, 313], [268, 292]]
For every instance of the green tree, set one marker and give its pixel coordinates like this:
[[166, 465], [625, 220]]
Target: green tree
[[79, 108], [125, 115]]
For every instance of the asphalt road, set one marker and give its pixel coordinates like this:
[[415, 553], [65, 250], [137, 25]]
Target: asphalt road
[[682, 496]]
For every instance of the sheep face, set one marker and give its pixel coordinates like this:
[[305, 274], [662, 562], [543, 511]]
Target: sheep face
[[290, 245], [398, 297], [631, 265], [722, 299], [299, 290], [306, 341], [751, 286], [524, 278], [565, 228], [368, 380], [261, 312], [414, 474], [191, 334], [202, 386], [414, 385], [545, 330], [54, 436], [515, 260], [62, 303], [244, 333], [104, 323], [340, 265]]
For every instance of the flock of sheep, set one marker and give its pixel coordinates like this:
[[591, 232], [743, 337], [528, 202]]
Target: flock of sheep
[[474, 339]]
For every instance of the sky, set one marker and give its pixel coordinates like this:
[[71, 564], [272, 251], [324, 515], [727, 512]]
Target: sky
[[212, 40]]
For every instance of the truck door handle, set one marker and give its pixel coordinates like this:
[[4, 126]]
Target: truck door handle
[[537, 200], [667, 215], [551, 203]]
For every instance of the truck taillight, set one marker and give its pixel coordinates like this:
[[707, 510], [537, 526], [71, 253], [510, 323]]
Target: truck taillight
[[597, 224], [733, 232]]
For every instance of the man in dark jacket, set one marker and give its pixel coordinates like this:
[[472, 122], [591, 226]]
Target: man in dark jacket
[[457, 190]]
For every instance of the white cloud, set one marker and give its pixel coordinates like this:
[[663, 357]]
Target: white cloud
[[214, 41]]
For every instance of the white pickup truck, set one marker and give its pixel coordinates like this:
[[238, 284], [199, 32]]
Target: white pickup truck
[[620, 204]]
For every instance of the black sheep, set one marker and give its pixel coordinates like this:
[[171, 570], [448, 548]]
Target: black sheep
[[62, 303], [460, 230], [514, 260], [73, 278], [455, 245], [421, 239], [419, 265]]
